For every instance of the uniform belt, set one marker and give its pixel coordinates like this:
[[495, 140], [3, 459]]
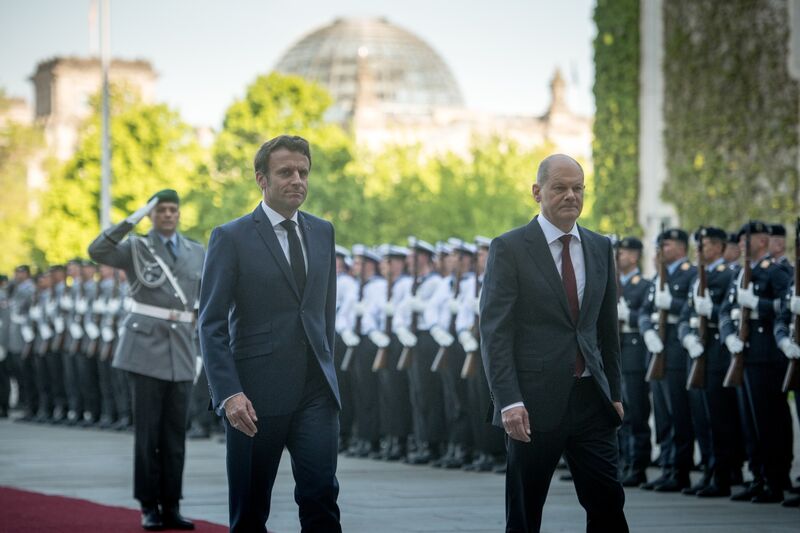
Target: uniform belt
[[627, 329], [671, 319], [163, 313]]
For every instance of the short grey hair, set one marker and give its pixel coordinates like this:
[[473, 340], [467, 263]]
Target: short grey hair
[[543, 174]]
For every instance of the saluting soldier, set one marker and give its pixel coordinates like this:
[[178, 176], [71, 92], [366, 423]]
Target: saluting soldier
[[680, 446], [157, 348], [721, 403], [635, 390], [764, 367]]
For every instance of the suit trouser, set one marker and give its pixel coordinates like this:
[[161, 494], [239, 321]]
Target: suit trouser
[[456, 397], [426, 392], [395, 404], [587, 436], [723, 415], [310, 434], [346, 417], [367, 409], [160, 411]]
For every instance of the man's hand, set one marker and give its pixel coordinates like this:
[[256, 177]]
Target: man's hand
[[517, 424], [241, 415], [620, 410], [142, 212]]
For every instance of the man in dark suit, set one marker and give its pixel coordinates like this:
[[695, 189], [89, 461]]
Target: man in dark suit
[[267, 313], [550, 347]]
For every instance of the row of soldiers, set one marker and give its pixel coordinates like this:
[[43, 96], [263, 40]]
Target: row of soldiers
[[730, 315]]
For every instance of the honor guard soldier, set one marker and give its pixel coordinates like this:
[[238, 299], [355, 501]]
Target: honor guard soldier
[[105, 309], [157, 348], [678, 461], [56, 316], [37, 362], [764, 366], [87, 360], [699, 333], [732, 252], [21, 336], [119, 377], [633, 292], [71, 342], [5, 320], [777, 247], [346, 298]]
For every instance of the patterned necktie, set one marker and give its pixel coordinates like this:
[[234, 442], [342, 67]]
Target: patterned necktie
[[296, 255], [571, 288], [171, 250]]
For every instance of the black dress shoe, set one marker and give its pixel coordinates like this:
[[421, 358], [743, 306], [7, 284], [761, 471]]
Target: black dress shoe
[[121, 424], [792, 502], [714, 491], [151, 519], [651, 485], [634, 478], [749, 492], [768, 495], [173, 519], [676, 483]]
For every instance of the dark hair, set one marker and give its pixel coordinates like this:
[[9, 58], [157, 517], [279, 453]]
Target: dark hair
[[293, 143], [23, 268]]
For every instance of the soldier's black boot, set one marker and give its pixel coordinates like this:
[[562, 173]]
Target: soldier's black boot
[[663, 478], [460, 457], [676, 483], [704, 482], [444, 459], [634, 478], [173, 519], [769, 495], [753, 489]]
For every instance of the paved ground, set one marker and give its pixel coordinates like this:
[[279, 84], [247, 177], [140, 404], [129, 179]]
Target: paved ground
[[375, 496]]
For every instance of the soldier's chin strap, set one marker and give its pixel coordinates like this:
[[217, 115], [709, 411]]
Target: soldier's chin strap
[[166, 271]]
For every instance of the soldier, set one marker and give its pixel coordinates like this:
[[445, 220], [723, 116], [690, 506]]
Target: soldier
[[732, 252], [635, 390], [104, 309], [720, 402], [777, 247], [119, 378], [346, 298], [71, 345], [5, 322], [157, 348], [413, 322], [87, 350], [35, 365], [54, 360], [21, 336], [764, 367], [680, 273]]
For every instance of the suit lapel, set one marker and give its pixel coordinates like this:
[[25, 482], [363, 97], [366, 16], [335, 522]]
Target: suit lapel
[[315, 251], [267, 233], [539, 251], [591, 260]]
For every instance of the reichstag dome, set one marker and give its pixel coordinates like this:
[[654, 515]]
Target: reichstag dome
[[405, 71]]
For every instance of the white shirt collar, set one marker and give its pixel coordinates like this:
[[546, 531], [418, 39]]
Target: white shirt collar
[[173, 238], [274, 217], [552, 233]]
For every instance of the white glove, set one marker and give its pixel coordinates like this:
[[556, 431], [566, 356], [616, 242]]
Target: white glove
[[35, 313], [653, 341], [467, 341], [454, 306], [350, 339], [476, 305], [693, 345], [417, 304], [389, 309], [747, 298], [379, 338], [360, 308], [113, 306], [789, 348], [623, 311], [142, 212], [794, 305], [663, 299], [703, 305], [406, 338], [442, 337], [734, 344], [107, 334]]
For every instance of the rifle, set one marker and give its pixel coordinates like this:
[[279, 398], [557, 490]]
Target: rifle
[[735, 374], [105, 346], [791, 380], [348, 354], [405, 356], [657, 368], [438, 361], [620, 295], [379, 363], [697, 374], [468, 369]]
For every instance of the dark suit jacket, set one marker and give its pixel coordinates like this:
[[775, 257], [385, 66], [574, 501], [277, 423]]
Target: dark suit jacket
[[255, 330], [529, 341]]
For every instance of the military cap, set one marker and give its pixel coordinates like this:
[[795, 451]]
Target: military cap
[[777, 230], [341, 251], [23, 268], [3, 278], [167, 195], [421, 246], [630, 243], [88, 263], [482, 242], [712, 233], [366, 252], [443, 248], [755, 226], [733, 238], [461, 246], [396, 251], [674, 234]]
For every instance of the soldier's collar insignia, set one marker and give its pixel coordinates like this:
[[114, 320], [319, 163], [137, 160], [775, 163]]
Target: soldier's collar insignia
[[685, 266], [636, 279], [721, 268], [765, 263]]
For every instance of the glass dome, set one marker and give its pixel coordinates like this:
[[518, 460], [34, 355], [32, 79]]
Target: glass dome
[[404, 71]]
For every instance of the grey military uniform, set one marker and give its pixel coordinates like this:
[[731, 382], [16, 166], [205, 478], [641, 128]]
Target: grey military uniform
[[20, 303], [5, 321], [155, 347]]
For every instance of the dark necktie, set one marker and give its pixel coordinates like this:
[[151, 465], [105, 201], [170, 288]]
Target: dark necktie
[[571, 288], [295, 255], [171, 250]]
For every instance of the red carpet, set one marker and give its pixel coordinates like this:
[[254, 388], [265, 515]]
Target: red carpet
[[31, 512]]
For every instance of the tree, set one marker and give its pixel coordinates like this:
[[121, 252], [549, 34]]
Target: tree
[[152, 149]]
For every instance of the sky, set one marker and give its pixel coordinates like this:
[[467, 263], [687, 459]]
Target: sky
[[502, 53]]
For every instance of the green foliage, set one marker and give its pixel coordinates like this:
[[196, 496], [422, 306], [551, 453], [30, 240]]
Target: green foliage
[[18, 144], [152, 149], [731, 112], [615, 147]]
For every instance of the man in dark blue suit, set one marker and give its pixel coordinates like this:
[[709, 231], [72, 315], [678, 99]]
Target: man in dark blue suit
[[267, 313]]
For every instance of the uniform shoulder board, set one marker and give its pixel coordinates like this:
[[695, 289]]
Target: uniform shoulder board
[[191, 240], [721, 268], [636, 279], [686, 266], [765, 263]]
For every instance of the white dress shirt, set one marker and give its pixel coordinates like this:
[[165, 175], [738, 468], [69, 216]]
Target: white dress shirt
[[552, 235], [275, 219]]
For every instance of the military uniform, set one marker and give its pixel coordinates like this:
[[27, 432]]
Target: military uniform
[[5, 324], [21, 337], [87, 348], [346, 298], [157, 348]]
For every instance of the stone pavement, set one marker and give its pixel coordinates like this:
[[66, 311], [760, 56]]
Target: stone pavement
[[375, 496]]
